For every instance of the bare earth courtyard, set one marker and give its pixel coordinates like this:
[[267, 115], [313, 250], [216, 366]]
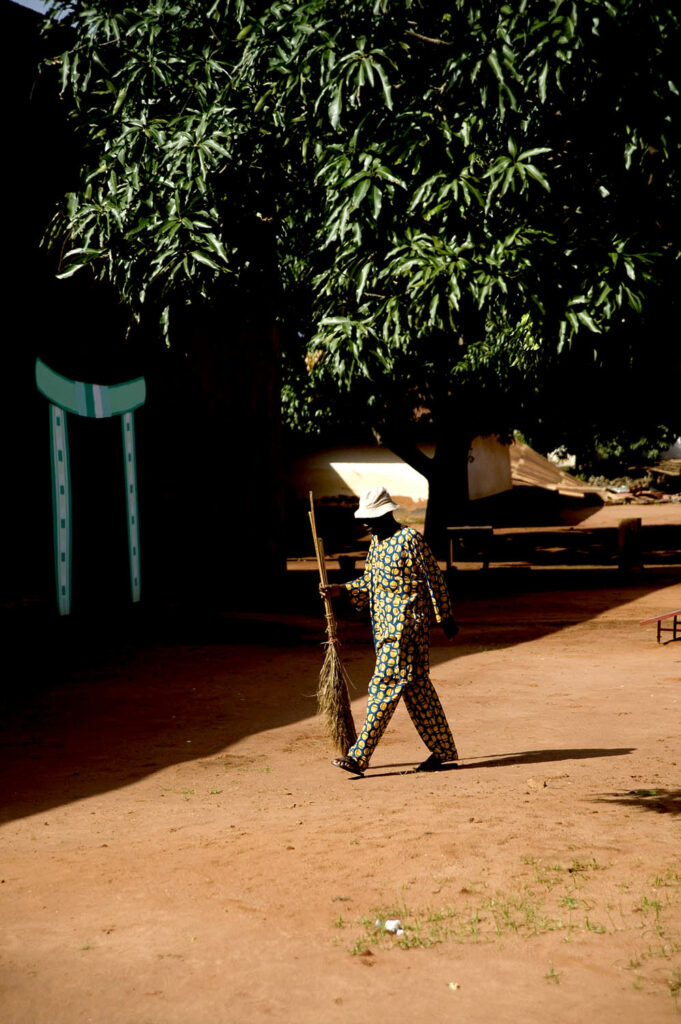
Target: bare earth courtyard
[[176, 846]]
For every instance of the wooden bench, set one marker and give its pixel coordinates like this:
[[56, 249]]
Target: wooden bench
[[675, 628], [542, 545]]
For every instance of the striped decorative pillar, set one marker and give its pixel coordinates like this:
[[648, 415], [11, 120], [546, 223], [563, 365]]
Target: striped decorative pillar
[[97, 401], [128, 424], [61, 506]]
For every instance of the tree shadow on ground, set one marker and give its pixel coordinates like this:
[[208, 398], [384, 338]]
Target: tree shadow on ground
[[662, 801], [96, 705], [103, 699]]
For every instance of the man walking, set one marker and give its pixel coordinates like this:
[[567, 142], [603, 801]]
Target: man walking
[[401, 583]]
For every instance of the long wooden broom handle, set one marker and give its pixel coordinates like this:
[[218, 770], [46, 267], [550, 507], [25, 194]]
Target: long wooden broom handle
[[321, 565]]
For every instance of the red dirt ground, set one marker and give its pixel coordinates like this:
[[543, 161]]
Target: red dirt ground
[[177, 848]]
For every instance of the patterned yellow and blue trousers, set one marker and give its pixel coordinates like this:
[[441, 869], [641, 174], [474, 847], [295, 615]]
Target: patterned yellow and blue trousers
[[387, 685]]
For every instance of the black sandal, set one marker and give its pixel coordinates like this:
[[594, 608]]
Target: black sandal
[[435, 764], [348, 764]]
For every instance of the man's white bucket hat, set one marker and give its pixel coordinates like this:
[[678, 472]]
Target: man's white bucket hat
[[374, 503]]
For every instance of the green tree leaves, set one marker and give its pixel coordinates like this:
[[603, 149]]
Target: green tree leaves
[[411, 182]]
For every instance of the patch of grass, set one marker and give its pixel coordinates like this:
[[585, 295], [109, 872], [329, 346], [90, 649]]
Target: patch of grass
[[548, 896], [553, 874], [524, 914], [418, 931], [668, 879], [665, 951], [552, 974], [186, 793], [645, 906], [495, 916], [360, 947], [585, 865], [443, 880]]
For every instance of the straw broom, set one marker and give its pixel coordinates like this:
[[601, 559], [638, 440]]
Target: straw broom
[[332, 693]]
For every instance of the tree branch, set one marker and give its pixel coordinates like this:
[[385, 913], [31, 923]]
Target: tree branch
[[427, 39], [407, 451]]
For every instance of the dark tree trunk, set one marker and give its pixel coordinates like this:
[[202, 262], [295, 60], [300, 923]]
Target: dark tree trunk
[[448, 489], [447, 475]]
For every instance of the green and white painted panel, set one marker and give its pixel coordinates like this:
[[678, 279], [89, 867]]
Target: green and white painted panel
[[96, 401]]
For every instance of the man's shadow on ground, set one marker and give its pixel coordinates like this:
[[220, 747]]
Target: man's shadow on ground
[[500, 761]]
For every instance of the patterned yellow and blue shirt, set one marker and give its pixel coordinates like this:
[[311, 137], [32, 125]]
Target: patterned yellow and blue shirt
[[401, 583]]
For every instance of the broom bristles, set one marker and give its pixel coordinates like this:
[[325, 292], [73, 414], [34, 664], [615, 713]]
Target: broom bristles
[[333, 701]]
